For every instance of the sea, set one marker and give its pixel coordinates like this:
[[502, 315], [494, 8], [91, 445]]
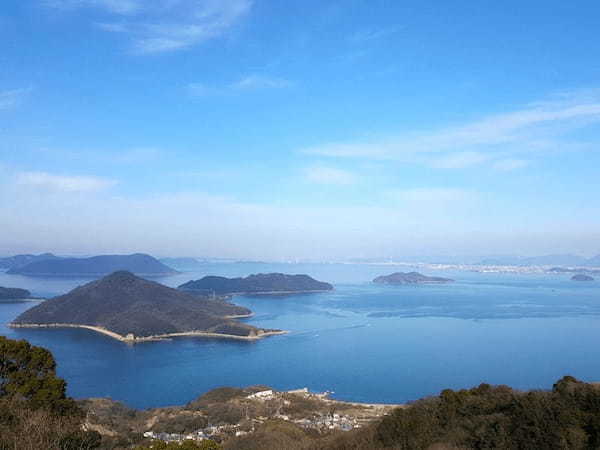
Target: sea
[[361, 342]]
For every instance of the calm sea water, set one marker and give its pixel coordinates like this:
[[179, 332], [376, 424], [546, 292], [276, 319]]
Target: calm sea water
[[365, 342]]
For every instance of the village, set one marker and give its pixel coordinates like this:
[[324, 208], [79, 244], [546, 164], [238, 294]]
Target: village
[[332, 415]]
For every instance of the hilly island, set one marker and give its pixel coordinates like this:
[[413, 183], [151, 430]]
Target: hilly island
[[410, 278], [262, 283], [133, 309], [138, 263], [13, 293]]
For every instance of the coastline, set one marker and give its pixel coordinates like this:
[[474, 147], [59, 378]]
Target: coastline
[[158, 337]]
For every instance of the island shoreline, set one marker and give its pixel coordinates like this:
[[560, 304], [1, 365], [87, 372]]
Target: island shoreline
[[158, 337]]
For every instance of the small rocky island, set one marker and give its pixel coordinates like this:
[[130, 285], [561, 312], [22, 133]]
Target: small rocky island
[[14, 293], [138, 263], [410, 278], [262, 283], [582, 277], [132, 309]]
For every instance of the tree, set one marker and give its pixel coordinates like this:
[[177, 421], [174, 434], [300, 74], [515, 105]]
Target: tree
[[29, 373]]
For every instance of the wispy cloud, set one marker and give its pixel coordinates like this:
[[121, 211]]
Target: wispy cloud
[[329, 175], [13, 98], [252, 82], [373, 34], [62, 183], [113, 6], [165, 25], [510, 164], [499, 139]]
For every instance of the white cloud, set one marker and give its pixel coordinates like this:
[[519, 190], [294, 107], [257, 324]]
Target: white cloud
[[166, 25], [12, 98], [329, 175], [510, 164], [247, 83], [540, 127], [459, 160], [61, 183], [261, 82]]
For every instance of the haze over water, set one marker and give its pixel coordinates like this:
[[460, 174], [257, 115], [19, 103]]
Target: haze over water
[[365, 342]]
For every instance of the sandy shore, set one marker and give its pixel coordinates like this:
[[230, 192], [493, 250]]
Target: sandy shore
[[136, 339]]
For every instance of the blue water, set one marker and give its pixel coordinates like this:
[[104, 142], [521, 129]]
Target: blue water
[[365, 342]]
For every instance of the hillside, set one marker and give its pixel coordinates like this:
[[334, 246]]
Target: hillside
[[13, 293], [137, 263], [262, 283], [122, 303], [410, 278], [13, 262]]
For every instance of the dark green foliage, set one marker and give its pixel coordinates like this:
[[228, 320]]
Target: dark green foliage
[[28, 373], [489, 417], [262, 282], [35, 413]]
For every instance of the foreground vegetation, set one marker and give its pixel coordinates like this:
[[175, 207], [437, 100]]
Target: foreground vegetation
[[36, 414]]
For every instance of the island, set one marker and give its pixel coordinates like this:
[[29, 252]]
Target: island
[[582, 277], [12, 262], [262, 283], [410, 278], [132, 309], [13, 293], [138, 263]]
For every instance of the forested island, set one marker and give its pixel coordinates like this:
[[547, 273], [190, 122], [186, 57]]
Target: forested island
[[138, 263], [13, 293], [262, 283], [133, 309], [410, 278]]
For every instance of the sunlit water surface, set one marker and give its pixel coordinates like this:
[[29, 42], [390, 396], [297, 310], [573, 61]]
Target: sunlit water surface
[[365, 342]]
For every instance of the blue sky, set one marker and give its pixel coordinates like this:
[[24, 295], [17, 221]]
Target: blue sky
[[299, 129]]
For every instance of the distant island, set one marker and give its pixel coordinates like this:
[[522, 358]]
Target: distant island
[[129, 308], [137, 263], [13, 262], [262, 283], [13, 293], [582, 277], [410, 278]]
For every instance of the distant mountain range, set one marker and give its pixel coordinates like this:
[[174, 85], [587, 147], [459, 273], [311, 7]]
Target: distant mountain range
[[410, 278], [13, 293], [137, 263], [547, 260], [125, 304], [12, 262], [262, 283]]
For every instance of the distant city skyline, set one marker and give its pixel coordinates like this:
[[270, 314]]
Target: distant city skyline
[[258, 129]]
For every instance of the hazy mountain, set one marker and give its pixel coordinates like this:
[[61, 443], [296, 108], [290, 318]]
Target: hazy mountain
[[409, 278], [257, 284], [13, 293], [124, 303], [12, 262], [545, 260], [138, 263]]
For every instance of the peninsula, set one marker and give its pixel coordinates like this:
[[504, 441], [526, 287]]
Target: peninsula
[[129, 308], [13, 293], [137, 263], [410, 278], [262, 283]]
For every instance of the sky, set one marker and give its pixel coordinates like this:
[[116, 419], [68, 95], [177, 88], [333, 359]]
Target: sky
[[300, 129]]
